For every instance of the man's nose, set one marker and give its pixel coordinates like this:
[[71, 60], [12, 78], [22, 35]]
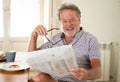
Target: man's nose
[[70, 23]]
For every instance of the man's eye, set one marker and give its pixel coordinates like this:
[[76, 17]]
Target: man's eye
[[64, 21]]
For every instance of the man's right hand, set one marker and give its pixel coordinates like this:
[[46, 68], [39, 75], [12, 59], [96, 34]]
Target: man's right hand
[[39, 30]]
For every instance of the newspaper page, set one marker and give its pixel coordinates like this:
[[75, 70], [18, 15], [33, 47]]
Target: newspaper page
[[54, 61]]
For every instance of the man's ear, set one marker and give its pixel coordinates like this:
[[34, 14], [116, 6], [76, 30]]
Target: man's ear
[[79, 20]]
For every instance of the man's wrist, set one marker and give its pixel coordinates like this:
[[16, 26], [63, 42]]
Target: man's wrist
[[34, 35]]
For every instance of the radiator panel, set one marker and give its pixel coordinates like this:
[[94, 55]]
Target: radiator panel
[[105, 61]]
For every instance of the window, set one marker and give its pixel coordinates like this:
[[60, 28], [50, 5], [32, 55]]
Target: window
[[25, 15], [18, 18], [22, 16], [1, 19]]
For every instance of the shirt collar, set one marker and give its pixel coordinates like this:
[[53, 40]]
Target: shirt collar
[[77, 36]]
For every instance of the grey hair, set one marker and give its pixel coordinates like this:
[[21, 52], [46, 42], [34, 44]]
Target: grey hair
[[70, 7]]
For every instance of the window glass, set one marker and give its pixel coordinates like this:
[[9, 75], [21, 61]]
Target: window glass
[[1, 19], [24, 17]]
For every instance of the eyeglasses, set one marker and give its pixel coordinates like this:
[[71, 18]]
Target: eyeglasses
[[48, 38]]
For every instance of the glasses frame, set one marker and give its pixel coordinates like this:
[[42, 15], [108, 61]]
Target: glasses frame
[[48, 38]]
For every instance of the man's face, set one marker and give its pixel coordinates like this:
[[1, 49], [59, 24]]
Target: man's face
[[70, 22]]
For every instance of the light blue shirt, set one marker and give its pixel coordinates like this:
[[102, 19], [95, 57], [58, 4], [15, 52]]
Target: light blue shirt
[[85, 47]]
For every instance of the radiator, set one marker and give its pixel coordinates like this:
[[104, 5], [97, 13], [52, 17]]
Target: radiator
[[105, 49], [115, 61], [118, 70]]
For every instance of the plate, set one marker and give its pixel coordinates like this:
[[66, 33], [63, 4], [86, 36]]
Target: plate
[[7, 66]]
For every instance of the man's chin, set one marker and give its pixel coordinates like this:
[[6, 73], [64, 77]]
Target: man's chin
[[70, 35]]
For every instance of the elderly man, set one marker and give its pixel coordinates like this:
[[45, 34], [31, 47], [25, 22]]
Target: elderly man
[[84, 44]]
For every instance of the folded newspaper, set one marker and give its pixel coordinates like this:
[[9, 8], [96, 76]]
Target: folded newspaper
[[54, 61]]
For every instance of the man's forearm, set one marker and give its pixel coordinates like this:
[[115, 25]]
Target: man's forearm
[[94, 74], [32, 43]]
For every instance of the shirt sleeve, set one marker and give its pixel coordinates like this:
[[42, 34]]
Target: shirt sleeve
[[46, 45], [94, 49]]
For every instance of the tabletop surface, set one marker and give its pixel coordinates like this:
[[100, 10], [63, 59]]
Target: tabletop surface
[[13, 76]]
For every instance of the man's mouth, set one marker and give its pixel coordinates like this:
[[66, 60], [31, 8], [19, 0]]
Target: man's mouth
[[70, 29]]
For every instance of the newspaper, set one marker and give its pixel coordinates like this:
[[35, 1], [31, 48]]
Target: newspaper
[[54, 61]]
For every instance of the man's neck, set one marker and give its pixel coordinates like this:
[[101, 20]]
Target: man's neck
[[68, 39]]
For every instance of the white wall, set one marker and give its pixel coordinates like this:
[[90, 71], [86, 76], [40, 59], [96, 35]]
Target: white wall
[[100, 17]]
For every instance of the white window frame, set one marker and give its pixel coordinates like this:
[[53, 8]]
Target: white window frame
[[7, 41]]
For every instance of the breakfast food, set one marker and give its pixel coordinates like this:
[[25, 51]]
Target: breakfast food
[[14, 66], [2, 55]]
